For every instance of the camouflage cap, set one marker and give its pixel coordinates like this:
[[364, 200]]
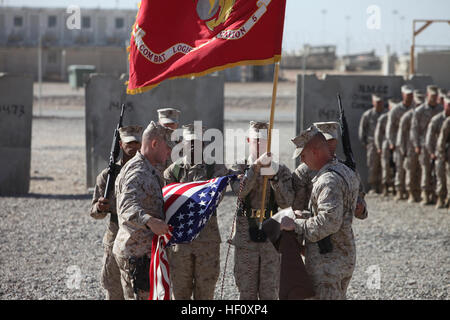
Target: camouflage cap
[[131, 133], [376, 97], [418, 94], [328, 129], [393, 101], [432, 90], [442, 92], [303, 138], [258, 130], [192, 132], [407, 89], [163, 132], [168, 115]]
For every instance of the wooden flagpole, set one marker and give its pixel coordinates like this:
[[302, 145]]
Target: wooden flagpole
[[269, 141]]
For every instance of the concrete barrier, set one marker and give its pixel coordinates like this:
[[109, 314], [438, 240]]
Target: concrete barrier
[[437, 65], [320, 103], [16, 105], [197, 99]]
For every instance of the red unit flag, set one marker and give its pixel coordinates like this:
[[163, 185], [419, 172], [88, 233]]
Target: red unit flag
[[180, 39]]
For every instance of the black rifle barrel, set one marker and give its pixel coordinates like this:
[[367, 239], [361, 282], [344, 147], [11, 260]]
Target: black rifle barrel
[[346, 145], [114, 155]]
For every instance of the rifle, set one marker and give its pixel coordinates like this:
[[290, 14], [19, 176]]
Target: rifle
[[325, 245], [113, 156], [392, 164], [346, 145], [433, 173]]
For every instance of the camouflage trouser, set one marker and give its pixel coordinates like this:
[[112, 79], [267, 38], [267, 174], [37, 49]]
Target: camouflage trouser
[[331, 290], [400, 172], [257, 271], [374, 165], [194, 270], [412, 176], [127, 281], [425, 165], [441, 177], [386, 170], [111, 276]]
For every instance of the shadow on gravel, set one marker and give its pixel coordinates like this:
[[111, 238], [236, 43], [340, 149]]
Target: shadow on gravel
[[58, 196]]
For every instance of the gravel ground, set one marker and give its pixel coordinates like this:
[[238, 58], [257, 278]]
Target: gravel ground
[[51, 249]]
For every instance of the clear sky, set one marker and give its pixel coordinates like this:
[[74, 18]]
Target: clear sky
[[340, 22]]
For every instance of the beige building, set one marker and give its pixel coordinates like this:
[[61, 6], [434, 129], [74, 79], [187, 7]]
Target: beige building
[[68, 35]]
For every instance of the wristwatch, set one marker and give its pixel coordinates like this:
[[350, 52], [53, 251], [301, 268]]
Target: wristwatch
[[274, 179]]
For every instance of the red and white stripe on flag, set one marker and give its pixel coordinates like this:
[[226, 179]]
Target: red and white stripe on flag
[[159, 269]]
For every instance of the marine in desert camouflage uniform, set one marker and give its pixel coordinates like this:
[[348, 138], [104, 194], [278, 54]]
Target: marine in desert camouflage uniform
[[383, 150], [195, 267], [442, 160], [130, 142], [411, 158], [302, 176], [140, 211], [419, 124], [392, 126], [169, 118], [433, 130], [333, 201], [366, 133], [257, 263]]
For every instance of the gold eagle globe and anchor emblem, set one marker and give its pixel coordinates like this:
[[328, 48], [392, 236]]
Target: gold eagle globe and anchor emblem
[[214, 12]]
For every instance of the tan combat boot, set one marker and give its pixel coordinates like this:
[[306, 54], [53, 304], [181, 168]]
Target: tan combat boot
[[425, 199], [398, 196], [385, 190], [440, 203], [411, 198]]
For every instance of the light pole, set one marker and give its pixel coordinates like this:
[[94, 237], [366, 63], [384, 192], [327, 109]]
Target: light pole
[[394, 45], [40, 65], [347, 37], [324, 31]]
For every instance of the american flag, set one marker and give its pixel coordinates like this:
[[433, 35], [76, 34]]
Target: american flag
[[188, 207]]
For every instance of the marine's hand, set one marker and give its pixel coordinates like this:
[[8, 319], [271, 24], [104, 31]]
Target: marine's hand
[[359, 209], [103, 204], [158, 226], [301, 215], [263, 161], [287, 224]]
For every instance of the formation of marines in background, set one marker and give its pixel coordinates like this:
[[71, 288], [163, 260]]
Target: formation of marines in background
[[324, 193], [407, 146]]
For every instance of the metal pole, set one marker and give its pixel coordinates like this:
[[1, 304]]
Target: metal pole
[[411, 58], [302, 101], [40, 69]]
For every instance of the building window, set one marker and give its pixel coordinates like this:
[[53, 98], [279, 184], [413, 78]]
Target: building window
[[119, 23], [86, 22], [18, 21], [51, 21]]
